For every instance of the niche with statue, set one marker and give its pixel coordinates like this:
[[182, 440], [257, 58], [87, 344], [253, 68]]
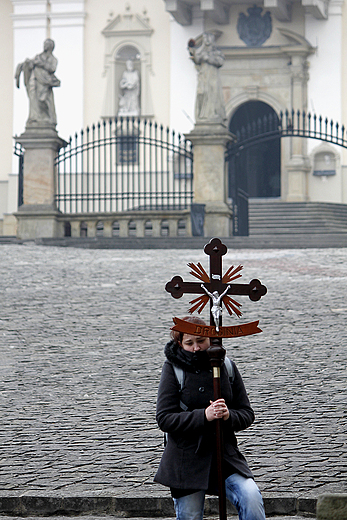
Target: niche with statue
[[127, 66], [324, 163], [128, 81]]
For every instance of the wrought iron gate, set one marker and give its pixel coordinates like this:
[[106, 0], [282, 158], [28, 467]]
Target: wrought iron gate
[[124, 164], [288, 124]]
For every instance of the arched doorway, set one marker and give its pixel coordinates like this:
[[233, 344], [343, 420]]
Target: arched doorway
[[258, 168]]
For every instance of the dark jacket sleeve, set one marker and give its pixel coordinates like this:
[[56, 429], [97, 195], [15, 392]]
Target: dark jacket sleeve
[[170, 417], [241, 414]]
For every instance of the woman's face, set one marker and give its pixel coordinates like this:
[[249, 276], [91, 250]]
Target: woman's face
[[194, 343]]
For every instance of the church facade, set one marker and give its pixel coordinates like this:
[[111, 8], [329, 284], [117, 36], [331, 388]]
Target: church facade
[[130, 58]]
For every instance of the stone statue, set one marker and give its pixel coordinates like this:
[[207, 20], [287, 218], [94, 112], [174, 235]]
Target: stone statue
[[39, 80], [209, 106], [130, 87]]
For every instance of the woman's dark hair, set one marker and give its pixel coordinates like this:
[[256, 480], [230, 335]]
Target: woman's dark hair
[[178, 336]]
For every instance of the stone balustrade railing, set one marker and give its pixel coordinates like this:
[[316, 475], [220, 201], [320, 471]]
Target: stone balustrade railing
[[135, 223]]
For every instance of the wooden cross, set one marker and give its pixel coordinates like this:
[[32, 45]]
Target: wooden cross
[[216, 284]]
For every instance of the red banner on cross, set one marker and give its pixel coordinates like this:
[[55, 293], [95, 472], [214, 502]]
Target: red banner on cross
[[208, 331]]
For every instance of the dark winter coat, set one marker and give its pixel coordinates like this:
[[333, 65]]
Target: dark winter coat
[[189, 454]]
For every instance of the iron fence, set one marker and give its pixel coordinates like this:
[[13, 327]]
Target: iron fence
[[294, 123], [269, 128], [124, 164]]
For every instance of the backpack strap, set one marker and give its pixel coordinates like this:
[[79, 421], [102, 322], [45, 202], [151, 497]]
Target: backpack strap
[[180, 376], [230, 369]]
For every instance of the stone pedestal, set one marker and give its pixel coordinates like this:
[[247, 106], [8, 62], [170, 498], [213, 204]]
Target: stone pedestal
[[297, 171], [210, 180], [332, 506], [9, 226], [37, 217]]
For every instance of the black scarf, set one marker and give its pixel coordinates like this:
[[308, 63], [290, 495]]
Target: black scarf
[[188, 361]]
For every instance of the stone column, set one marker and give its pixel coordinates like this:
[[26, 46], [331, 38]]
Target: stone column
[[298, 166], [210, 136], [37, 217], [210, 182]]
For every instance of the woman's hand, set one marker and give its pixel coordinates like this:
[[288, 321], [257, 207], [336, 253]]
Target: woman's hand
[[217, 410]]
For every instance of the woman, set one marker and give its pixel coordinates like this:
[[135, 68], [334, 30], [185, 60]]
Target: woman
[[187, 415]]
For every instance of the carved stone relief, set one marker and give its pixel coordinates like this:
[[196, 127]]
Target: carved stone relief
[[255, 28]]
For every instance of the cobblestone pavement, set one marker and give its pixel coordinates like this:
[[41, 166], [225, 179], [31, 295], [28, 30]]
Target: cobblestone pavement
[[108, 517], [81, 348]]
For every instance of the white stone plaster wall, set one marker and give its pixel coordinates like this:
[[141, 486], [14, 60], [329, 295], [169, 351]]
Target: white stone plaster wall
[[6, 91], [183, 75], [12, 192], [325, 91], [344, 99], [67, 30], [99, 15], [326, 188]]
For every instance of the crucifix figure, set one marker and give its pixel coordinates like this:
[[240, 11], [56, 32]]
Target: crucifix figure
[[218, 289], [216, 309]]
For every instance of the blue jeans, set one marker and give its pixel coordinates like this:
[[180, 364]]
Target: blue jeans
[[242, 492]]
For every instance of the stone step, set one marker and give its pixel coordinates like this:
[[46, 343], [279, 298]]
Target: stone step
[[272, 217], [57, 506], [259, 240], [113, 517], [290, 228]]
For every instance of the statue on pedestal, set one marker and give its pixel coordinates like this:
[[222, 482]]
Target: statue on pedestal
[[39, 80], [208, 59], [130, 87]]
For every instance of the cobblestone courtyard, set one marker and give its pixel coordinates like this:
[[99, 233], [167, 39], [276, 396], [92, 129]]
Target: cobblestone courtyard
[[82, 334]]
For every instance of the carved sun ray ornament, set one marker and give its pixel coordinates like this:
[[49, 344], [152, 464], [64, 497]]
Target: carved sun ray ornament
[[198, 304]]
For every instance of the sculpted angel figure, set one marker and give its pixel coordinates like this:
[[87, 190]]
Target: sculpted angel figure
[[39, 80], [130, 86], [209, 106], [216, 309]]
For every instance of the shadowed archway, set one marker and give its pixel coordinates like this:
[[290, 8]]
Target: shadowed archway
[[258, 169]]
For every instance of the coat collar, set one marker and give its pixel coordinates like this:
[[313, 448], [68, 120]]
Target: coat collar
[[189, 361]]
